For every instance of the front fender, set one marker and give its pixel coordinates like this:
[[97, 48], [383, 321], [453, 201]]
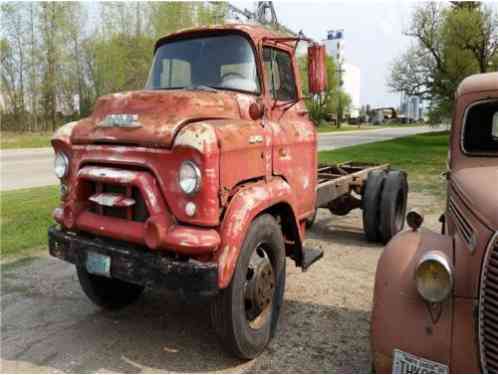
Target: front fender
[[246, 204], [401, 319]]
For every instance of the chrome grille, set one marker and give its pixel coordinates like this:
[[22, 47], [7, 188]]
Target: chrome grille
[[137, 212], [488, 309]]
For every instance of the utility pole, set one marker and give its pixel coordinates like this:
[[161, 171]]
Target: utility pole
[[266, 15]]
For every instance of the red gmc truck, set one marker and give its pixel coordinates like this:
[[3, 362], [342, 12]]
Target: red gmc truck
[[205, 181]]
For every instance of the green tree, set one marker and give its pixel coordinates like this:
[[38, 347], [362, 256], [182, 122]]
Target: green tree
[[451, 42]]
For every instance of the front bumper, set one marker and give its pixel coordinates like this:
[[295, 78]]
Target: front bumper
[[137, 266]]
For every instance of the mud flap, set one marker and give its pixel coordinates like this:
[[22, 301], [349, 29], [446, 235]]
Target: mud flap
[[310, 256]]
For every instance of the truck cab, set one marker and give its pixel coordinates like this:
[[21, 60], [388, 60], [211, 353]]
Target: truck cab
[[436, 294], [200, 183]]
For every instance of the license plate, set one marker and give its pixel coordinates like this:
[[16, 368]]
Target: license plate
[[98, 264], [405, 363]]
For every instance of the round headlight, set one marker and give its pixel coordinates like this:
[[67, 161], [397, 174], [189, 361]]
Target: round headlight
[[434, 277], [189, 177], [61, 165]]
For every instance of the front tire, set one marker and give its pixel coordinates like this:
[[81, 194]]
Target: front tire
[[245, 314], [109, 294]]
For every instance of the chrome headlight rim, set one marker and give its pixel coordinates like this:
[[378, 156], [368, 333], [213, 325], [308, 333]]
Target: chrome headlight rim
[[442, 260], [61, 156], [198, 177]]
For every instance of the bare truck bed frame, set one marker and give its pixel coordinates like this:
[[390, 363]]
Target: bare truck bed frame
[[337, 181]]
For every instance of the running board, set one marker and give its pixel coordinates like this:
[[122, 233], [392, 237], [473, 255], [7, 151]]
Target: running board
[[310, 256]]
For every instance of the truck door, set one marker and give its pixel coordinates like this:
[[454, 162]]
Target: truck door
[[294, 136]]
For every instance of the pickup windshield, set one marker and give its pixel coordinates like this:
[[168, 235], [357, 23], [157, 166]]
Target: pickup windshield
[[223, 62]]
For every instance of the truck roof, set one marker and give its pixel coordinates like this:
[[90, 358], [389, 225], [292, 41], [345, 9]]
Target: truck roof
[[255, 32], [478, 83]]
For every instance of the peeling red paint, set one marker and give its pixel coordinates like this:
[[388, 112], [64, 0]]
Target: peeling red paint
[[247, 163], [244, 206]]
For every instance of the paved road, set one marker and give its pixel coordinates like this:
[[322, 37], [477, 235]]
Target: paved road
[[331, 141], [26, 168]]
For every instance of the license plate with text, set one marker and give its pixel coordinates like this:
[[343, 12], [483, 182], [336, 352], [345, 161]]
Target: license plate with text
[[406, 363]]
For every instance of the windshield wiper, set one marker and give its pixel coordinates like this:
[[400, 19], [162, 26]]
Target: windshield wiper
[[201, 88]]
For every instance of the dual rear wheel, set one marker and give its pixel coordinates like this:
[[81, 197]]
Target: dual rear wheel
[[384, 204]]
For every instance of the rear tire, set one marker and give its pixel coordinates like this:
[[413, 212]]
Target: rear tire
[[393, 205], [243, 324], [371, 204], [110, 294]]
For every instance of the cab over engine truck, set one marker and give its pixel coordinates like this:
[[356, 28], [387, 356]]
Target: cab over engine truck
[[204, 182]]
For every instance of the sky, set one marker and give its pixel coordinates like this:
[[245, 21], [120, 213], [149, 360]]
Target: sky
[[373, 36]]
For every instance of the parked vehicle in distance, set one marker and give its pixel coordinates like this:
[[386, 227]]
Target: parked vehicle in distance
[[436, 294], [204, 182]]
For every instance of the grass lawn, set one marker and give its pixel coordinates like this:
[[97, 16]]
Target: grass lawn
[[331, 128], [25, 217], [24, 140], [423, 156]]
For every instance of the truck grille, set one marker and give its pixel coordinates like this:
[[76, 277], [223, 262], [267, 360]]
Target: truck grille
[[488, 309], [135, 212], [463, 226]]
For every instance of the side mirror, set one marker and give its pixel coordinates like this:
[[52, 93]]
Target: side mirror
[[317, 69]]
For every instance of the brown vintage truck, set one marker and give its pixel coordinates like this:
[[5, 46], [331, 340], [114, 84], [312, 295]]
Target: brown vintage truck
[[436, 294], [204, 182]]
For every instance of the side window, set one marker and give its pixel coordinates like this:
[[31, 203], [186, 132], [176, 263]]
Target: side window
[[279, 73]]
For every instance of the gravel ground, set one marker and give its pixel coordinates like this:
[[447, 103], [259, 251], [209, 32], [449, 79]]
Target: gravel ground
[[48, 325]]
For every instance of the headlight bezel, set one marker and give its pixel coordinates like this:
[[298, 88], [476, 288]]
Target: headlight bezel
[[441, 260], [65, 159], [198, 177]]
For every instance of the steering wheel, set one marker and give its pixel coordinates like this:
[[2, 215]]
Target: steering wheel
[[237, 75]]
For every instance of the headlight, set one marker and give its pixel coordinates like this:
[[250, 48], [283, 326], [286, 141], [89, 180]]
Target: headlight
[[61, 165], [434, 277], [189, 177]]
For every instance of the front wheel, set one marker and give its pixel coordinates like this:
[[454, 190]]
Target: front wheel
[[110, 294], [245, 314]]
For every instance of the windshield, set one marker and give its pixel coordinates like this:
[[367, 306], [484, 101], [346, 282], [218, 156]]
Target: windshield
[[480, 134], [217, 62]]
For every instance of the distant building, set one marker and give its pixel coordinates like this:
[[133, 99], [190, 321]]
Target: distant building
[[411, 107], [351, 74]]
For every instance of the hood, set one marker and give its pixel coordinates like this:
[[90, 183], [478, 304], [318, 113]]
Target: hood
[[479, 188], [151, 118]]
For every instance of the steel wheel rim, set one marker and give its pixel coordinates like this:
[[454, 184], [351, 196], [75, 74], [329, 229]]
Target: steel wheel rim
[[259, 288]]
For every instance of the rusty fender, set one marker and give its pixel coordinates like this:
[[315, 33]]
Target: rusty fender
[[243, 208], [401, 319]]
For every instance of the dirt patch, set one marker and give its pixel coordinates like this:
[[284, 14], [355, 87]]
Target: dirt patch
[[48, 325]]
